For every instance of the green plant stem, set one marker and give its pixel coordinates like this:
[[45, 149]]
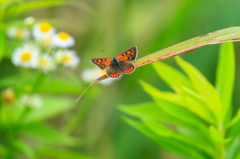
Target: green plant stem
[[39, 78], [221, 147]]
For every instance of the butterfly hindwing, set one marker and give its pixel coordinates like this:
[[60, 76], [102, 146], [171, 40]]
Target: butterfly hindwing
[[102, 63], [128, 55], [113, 71], [127, 67]]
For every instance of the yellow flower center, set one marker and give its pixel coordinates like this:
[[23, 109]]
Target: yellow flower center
[[42, 62], [63, 35], [67, 58], [45, 26], [26, 56], [19, 33]]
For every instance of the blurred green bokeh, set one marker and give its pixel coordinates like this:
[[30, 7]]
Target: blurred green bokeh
[[149, 25]]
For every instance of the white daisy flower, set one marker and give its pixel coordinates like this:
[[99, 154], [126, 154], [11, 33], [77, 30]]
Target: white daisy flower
[[19, 33], [64, 40], [67, 57], [89, 75], [26, 56], [32, 101], [29, 21], [46, 63], [43, 29]]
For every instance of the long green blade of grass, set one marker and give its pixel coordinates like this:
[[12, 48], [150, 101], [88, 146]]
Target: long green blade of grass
[[221, 36]]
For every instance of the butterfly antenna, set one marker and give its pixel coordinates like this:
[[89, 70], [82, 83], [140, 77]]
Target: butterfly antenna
[[116, 51], [105, 52]]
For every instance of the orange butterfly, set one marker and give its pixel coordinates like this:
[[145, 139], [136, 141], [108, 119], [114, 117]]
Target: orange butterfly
[[122, 64]]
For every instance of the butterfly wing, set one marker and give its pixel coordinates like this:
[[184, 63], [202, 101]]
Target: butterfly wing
[[113, 71], [102, 63], [128, 55], [126, 66]]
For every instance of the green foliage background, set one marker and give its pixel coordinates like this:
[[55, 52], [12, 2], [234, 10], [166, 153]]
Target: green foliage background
[[94, 124]]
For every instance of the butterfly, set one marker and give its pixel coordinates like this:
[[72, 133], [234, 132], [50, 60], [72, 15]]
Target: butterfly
[[122, 64]]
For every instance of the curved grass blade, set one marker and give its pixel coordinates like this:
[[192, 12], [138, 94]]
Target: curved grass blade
[[231, 34]]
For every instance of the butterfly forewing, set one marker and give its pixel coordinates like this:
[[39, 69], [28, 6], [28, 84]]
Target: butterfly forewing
[[128, 55], [102, 63], [113, 71]]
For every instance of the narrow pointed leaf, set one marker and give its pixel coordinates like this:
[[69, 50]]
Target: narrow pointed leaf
[[233, 150], [215, 135], [152, 111], [225, 75], [169, 96], [173, 108], [171, 76], [181, 114], [235, 119], [195, 141], [167, 143], [204, 87], [219, 36], [195, 103], [235, 130], [216, 37]]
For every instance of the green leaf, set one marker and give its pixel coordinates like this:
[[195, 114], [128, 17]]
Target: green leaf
[[181, 114], [233, 149], [195, 103], [235, 119], [167, 143], [173, 109], [188, 99], [169, 96], [60, 154], [216, 37], [152, 111], [225, 75], [23, 148], [219, 36], [195, 141], [148, 110], [52, 106], [171, 76], [203, 86], [235, 130], [215, 135]]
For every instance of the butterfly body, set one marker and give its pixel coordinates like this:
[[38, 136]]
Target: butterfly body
[[122, 64]]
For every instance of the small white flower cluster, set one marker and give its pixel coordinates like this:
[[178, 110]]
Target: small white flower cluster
[[46, 51]]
